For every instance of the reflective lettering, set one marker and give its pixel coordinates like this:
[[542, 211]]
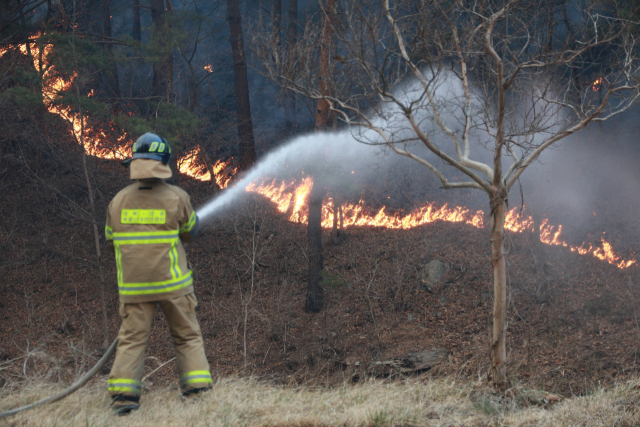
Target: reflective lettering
[[143, 216]]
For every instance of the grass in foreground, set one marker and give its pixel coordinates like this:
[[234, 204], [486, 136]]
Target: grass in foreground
[[246, 402]]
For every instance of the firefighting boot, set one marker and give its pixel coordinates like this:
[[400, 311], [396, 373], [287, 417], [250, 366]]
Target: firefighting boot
[[123, 405], [195, 391]]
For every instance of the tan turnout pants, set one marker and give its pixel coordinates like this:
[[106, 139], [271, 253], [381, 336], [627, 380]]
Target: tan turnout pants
[[128, 367]]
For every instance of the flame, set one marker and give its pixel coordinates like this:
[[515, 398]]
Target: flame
[[96, 141], [596, 84], [551, 235], [224, 172], [209, 68], [193, 164], [290, 199], [190, 164]]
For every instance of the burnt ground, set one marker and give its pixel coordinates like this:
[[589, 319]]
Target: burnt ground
[[583, 332]]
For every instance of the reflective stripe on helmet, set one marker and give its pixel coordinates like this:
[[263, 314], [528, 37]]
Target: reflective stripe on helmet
[[152, 146]]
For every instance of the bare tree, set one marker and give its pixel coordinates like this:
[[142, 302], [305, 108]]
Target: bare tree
[[163, 68], [433, 80], [290, 97], [243, 107], [112, 70], [315, 298], [137, 29]]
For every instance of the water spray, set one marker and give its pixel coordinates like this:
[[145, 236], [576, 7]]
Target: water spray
[[301, 153]]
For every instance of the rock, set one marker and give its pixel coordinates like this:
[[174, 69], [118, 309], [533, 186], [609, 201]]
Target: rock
[[413, 362], [427, 359], [537, 398], [433, 273]]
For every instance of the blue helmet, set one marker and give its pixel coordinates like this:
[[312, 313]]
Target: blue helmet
[[151, 146]]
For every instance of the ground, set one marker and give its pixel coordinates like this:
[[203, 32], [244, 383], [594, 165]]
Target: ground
[[405, 403], [581, 334]]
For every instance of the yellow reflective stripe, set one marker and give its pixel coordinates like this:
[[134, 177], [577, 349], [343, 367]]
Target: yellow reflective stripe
[[188, 374], [145, 241], [189, 225], [154, 146], [143, 216], [124, 384], [145, 237], [144, 233], [172, 257], [123, 380], [195, 377], [155, 287], [176, 263], [119, 263], [108, 231]]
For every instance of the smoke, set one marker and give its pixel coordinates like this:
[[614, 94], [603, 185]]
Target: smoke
[[303, 153], [593, 171], [591, 182], [337, 156], [361, 150]]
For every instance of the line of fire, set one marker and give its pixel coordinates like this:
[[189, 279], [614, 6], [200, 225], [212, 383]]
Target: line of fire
[[291, 197]]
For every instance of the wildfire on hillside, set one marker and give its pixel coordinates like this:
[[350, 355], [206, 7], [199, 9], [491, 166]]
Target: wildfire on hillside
[[95, 139], [290, 199]]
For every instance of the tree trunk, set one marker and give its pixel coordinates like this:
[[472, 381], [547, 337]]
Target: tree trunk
[[277, 21], [290, 119], [323, 112], [334, 229], [96, 234], [539, 254], [163, 69], [314, 230], [315, 294], [112, 70], [137, 29], [498, 346], [243, 107], [549, 37]]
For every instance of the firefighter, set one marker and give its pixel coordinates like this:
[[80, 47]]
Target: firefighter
[[147, 224]]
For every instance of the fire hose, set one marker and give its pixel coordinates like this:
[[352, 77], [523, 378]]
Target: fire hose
[[73, 387]]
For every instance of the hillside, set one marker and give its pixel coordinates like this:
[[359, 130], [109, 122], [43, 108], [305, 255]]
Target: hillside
[[582, 334]]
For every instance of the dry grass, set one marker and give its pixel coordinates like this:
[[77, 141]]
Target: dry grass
[[244, 402]]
